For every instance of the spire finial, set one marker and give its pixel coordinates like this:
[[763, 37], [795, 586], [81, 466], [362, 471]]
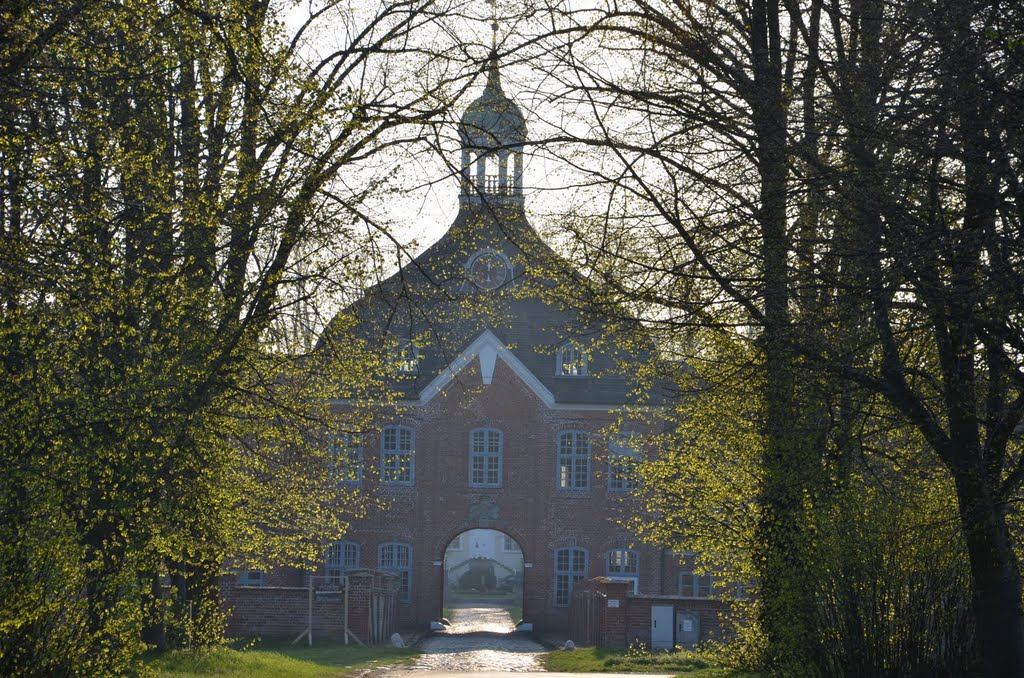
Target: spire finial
[[494, 25], [493, 79]]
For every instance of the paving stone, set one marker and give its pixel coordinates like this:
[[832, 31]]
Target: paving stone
[[479, 639]]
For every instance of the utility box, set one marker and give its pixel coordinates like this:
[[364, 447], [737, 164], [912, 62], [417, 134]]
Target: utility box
[[687, 629]]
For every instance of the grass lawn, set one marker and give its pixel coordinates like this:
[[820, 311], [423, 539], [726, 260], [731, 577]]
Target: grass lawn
[[270, 660], [611, 660]]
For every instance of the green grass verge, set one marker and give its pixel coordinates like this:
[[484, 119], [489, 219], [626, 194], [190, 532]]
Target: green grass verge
[[611, 660], [271, 660]]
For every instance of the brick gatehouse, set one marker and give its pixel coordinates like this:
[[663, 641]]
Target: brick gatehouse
[[510, 410]]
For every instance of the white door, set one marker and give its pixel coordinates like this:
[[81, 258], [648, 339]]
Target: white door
[[661, 627]]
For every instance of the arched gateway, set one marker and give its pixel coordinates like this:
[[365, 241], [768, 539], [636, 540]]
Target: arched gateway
[[483, 570]]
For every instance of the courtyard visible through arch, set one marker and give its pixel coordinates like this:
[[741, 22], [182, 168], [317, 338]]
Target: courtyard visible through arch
[[483, 580]]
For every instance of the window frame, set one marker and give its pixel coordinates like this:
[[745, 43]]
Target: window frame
[[627, 571], [405, 587], [341, 448], [486, 455], [510, 545], [572, 361], [623, 458], [391, 460], [699, 583], [336, 560], [572, 465], [566, 577]]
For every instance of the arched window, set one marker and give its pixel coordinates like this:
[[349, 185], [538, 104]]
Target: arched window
[[341, 557], [485, 451], [397, 465], [624, 565], [397, 557], [573, 460], [571, 361], [570, 567]]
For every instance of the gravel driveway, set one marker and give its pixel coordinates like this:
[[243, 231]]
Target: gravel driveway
[[479, 639]]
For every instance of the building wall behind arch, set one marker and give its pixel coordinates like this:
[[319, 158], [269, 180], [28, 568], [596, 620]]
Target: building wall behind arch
[[529, 506]]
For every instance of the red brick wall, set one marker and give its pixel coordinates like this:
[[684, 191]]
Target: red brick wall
[[631, 619], [440, 505], [529, 507], [284, 610]]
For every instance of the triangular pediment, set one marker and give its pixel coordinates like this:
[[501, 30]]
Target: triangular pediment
[[486, 348]]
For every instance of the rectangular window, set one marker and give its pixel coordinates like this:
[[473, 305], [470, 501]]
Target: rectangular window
[[624, 565], [250, 578], [408, 358], [571, 362], [695, 585], [570, 567], [342, 557], [347, 458], [510, 545], [397, 558], [485, 458], [396, 450], [623, 562], [573, 460], [622, 461]]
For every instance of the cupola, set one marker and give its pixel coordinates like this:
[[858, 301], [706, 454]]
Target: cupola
[[492, 132]]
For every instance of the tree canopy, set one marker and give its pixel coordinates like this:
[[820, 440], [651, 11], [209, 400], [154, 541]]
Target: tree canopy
[[180, 181], [826, 199]]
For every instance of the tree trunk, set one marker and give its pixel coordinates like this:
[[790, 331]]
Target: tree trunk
[[787, 586], [999, 619]]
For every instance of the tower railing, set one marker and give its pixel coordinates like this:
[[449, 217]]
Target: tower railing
[[492, 185]]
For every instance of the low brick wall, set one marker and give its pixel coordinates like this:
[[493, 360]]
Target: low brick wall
[[285, 610], [604, 613], [710, 614]]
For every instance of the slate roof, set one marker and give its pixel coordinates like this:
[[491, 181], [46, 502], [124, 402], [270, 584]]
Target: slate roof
[[432, 303]]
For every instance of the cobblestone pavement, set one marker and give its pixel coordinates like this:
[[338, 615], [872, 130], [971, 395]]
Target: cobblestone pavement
[[479, 639]]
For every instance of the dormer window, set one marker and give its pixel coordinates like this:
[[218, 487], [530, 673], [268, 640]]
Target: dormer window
[[408, 358], [572, 361]]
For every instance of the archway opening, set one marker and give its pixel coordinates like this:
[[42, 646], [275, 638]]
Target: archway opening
[[483, 581]]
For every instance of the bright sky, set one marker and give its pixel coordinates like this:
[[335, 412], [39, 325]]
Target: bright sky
[[430, 202]]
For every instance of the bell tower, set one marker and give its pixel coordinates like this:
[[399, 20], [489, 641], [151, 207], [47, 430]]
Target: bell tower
[[492, 132]]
